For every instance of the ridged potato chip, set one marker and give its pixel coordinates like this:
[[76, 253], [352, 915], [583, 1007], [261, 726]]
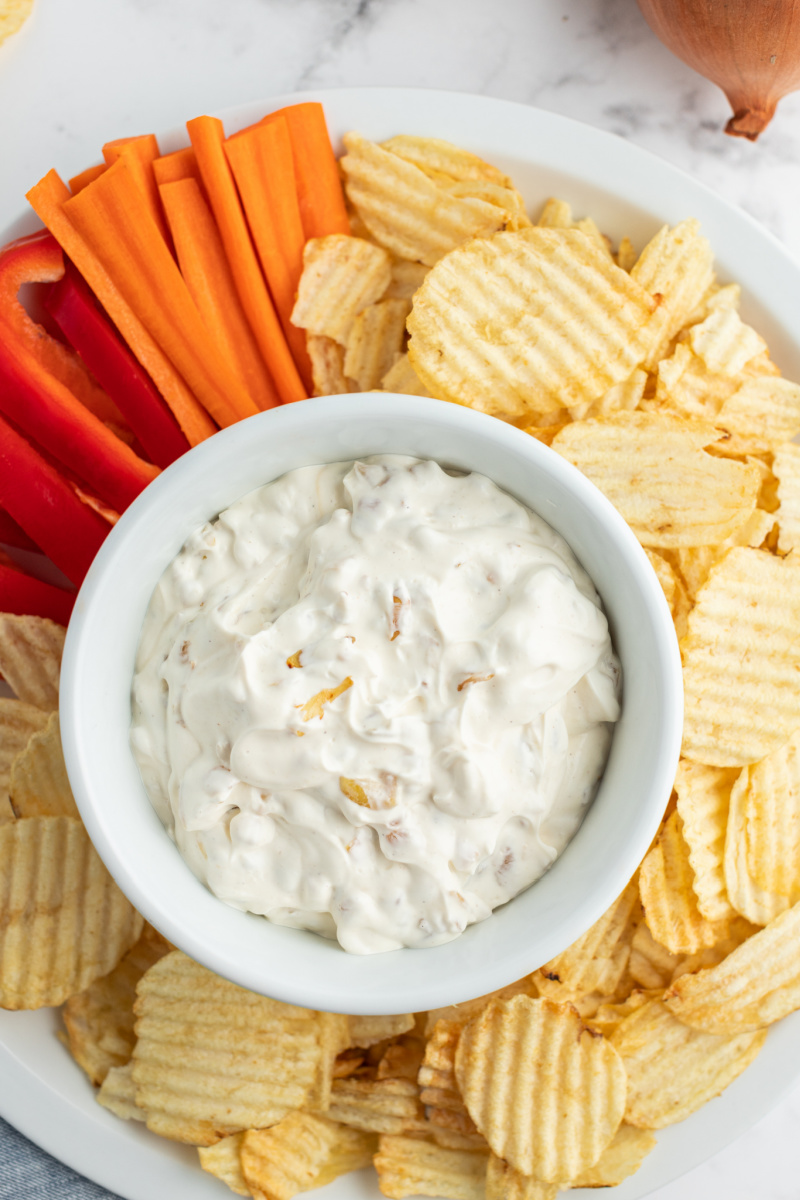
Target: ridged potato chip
[[63, 920], [407, 279], [755, 903], [772, 820], [403, 378], [410, 1167], [621, 1158], [686, 386], [118, 1094], [786, 466], [610, 1016], [378, 1105], [212, 1058], [375, 342], [299, 1153], [444, 1108], [758, 983], [471, 1008], [99, 1021], [367, 1031], [597, 960], [724, 342], [622, 397], [546, 1092], [38, 786], [674, 1070], [677, 266], [626, 254], [651, 965], [401, 1059], [703, 801], [223, 1161], [529, 321], [18, 723], [741, 659], [13, 14], [405, 209], [341, 277], [504, 1183], [666, 886], [694, 563], [30, 658], [674, 591], [440, 159], [761, 413], [557, 214], [692, 498], [327, 366]]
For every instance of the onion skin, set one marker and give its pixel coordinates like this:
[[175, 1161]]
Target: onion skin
[[749, 48]]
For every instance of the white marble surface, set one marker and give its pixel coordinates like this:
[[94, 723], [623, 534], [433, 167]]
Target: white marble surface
[[83, 71]]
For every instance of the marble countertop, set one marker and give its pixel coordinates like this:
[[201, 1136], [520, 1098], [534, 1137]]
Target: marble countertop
[[84, 71]]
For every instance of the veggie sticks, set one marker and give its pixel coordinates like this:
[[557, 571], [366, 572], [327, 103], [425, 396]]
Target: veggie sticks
[[319, 188]]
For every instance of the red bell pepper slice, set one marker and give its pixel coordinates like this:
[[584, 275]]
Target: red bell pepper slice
[[26, 596], [12, 535], [73, 308], [40, 500]]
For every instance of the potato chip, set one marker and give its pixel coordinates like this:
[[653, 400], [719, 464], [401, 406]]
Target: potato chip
[[786, 466], [13, 14], [621, 1158], [375, 341], [535, 320], [290, 1157], [651, 964], [703, 801], [407, 279], [327, 366], [212, 1058], [378, 1105], [223, 1161], [507, 199], [596, 961], [444, 1108], [118, 1094], [30, 658], [771, 817], [504, 1183], [622, 397], [731, 934], [741, 659], [674, 591], [99, 1021], [341, 277], [18, 723], [351, 1150], [762, 412], [755, 903], [695, 562], [692, 498], [63, 920], [557, 214], [724, 342], [39, 786], [626, 255], [674, 1070], [439, 159], [402, 1059], [756, 984], [547, 1093], [686, 386], [609, 1017], [366, 1031], [666, 887], [410, 1167], [470, 1008], [403, 378], [406, 210], [676, 267]]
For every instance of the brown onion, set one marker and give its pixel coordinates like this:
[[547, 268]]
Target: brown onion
[[750, 48]]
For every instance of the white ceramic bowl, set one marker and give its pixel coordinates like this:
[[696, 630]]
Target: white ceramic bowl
[[301, 967]]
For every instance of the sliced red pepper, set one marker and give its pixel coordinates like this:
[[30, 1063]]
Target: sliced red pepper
[[73, 307], [40, 500], [12, 535], [26, 596]]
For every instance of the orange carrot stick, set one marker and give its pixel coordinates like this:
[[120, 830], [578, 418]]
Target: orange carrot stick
[[261, 161], [140, 153], [207, 136], [47, 199], [181, 164], [205, 269], [319, 188], [79, 182], [113, 216]]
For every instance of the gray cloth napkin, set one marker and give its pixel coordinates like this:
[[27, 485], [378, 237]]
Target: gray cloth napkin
[[27, 1173]]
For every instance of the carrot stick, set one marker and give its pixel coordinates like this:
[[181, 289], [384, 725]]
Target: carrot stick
[[140, 153], [205, 269], [79, 181], [181, 164], [47, 199], [113, 217], [319, 188], [207, 136], [262, 165]]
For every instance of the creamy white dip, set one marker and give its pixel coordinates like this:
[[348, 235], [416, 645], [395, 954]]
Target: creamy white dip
[[373, 700]]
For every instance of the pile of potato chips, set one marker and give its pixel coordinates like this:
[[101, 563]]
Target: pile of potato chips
[[637, 368]]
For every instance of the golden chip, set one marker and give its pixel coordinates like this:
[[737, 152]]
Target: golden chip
[[771, 804], [378, 1105], [403, 378], [212, 1058], [557, 214], [626, 255], [367, 1031], [754, 902], [651, 965], [695, 562], [621, 1158], [224, 1162], [39, 786], [547, 1093], [375, 342], [677, 268], [529, 321], [118, 1094], [341, 277], [30, 658], [410, 1167], [18, 723], [666, 886], [686, 386], [99, 1021], [741, 659], [703, 801], [407, 279], [298, 1153], [13, 14], [673, 1070], [444, 1108], [762, 412], [441, 159], [63, 920], [406, 210], [327, 366], [674, 591], [504, 1183], [691, 498], [724, 342], [507, 199], [622, 397], [786, 466], [758, 983], [609, 1017], [597, 960], [471, 1008], [401, 1059]]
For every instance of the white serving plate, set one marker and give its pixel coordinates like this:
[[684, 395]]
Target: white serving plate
[[42, 1091]]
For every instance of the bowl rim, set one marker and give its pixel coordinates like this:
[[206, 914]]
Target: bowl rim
[[330, 985]]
